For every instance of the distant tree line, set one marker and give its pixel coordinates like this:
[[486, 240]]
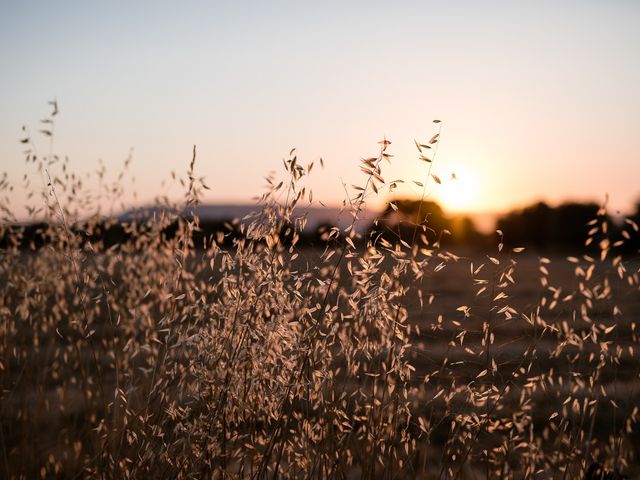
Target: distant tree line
[[563, 228], [568, 227]]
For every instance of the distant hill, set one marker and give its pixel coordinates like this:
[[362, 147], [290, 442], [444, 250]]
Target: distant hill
[[215, 213]]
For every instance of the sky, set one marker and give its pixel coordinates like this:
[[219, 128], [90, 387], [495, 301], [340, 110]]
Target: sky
[[538, 100]]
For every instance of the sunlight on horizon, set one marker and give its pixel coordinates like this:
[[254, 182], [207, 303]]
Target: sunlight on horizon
[[461, 191], [246, 83]]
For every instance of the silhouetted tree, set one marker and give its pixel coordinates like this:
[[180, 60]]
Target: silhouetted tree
[[546, 228], [409, 219]]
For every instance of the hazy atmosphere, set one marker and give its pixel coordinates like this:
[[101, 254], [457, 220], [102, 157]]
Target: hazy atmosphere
[[320, 240], [538, 100]]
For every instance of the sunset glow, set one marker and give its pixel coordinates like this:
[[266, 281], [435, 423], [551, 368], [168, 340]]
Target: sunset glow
[[320, 240], [247, 83], [460, 192]]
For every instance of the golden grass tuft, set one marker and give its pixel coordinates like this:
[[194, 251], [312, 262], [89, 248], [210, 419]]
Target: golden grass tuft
[[159, 358]]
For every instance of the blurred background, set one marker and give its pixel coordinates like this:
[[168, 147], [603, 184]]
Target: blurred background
[[538, 101]]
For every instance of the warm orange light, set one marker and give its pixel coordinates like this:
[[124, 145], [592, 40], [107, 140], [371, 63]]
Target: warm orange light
[[460, 191]]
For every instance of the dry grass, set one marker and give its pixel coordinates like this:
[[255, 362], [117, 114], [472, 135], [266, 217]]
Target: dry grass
[[157, 359]]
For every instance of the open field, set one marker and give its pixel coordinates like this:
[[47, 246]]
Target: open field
[[138, 364], [310, 240], [171, 350]]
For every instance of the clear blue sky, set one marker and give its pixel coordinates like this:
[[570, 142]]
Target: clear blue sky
[[539, 100]]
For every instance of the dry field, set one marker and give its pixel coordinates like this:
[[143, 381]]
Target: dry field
[[260, 358], [520, 381]]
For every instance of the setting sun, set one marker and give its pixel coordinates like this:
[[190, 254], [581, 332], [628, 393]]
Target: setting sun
[[460, 191], [320, 240]]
